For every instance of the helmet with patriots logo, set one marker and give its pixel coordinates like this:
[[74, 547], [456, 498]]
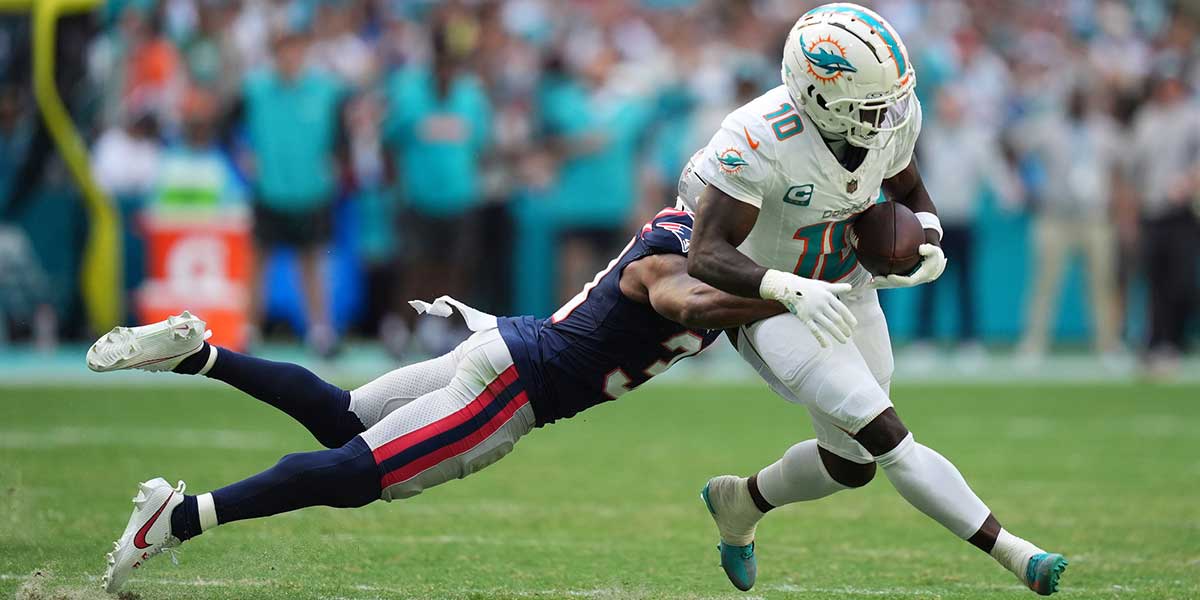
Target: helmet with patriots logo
[[847, 68]]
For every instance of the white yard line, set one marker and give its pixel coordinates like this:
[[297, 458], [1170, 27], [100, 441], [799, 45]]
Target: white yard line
[[615, 592], [622, 593], [926, 592]]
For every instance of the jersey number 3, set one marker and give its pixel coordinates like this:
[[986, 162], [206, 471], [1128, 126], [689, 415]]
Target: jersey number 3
[[686, 344]]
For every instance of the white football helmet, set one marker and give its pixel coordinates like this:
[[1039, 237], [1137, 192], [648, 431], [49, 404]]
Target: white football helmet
[[847, 67]]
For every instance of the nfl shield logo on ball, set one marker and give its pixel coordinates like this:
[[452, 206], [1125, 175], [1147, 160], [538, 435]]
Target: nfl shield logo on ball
[[852, 186]]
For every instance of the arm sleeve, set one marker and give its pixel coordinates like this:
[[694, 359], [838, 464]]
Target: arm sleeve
[[732, 166]]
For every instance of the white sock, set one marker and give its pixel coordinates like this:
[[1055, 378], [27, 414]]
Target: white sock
[[207, 510], [798, 476], [736, 516], [212, 359], [1013, 552], [930, 483]]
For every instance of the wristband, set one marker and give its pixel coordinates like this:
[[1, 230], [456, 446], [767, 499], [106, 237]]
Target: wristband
[[930, 221], [773, 285]]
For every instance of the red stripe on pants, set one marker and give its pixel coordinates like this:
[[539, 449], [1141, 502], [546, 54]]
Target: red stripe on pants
[[462, 446], [450, 421]]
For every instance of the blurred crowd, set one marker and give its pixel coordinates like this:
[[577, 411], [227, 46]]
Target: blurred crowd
[[502, 150]]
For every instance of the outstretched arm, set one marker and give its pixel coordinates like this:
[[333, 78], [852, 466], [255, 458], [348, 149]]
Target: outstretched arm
[[662, 281]]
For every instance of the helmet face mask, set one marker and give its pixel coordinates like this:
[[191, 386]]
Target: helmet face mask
[[848, 69], [866, 121]]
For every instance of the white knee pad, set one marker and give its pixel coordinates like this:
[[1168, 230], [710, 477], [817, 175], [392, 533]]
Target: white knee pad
[[851, 406]]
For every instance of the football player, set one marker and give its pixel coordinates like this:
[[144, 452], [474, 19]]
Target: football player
[[445, 418], [774, 191]]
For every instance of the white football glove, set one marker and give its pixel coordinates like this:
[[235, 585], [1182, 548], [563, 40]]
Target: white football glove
[[812, 301], [933, 262]]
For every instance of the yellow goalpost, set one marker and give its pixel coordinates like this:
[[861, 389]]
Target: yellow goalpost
[[101, 275]]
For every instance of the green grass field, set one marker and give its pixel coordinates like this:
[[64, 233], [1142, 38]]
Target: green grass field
[[606, 506]]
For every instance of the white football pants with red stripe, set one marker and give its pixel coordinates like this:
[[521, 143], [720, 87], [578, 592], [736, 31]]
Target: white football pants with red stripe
[[444, 418]]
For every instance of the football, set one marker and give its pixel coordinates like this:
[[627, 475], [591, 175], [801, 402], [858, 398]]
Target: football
[[886, 238]]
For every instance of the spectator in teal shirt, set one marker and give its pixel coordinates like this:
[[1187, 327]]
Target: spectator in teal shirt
[[293, 126], [438, 127], [437, 130], [598, 135]]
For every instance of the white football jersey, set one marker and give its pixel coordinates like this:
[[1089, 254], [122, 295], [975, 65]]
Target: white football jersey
[[769, 154]]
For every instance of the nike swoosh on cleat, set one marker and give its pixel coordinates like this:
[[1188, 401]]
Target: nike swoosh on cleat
[[158, 360], [753, 144], [139, 541]]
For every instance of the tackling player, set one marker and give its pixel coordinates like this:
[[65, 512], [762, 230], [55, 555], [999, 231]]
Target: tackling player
[[776, 189], [445, 418]]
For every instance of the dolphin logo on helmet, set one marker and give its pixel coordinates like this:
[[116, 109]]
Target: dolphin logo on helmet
[[831, 63], [847, 68]]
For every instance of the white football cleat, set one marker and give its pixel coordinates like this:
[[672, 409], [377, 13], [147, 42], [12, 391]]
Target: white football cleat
[[148, 532], [156, 347]]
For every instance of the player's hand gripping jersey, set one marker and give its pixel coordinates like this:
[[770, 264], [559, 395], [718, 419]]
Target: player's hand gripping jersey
[[601, 344], [771, 155]]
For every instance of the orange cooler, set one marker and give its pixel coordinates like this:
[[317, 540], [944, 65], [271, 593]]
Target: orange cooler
[[199, 261]]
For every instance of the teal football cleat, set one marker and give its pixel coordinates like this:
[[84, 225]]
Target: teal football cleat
[[1043, 571], [736, 518], [739, 565]]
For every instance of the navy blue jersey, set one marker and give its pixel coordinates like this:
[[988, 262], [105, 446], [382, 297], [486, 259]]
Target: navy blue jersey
[[601, 344]]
